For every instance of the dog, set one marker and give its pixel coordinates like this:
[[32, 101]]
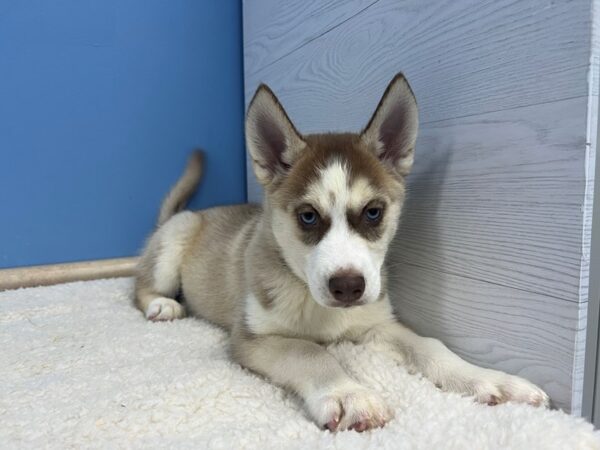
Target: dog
[[307, 268]]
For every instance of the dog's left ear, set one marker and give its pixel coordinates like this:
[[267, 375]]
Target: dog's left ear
[[392, 131]]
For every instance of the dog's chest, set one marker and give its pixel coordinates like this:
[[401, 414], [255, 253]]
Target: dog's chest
[[301, 316]]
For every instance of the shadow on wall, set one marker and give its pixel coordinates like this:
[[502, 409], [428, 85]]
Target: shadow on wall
[[419, 221]]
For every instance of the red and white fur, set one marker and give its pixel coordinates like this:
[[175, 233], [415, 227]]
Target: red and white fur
[[307, 268]]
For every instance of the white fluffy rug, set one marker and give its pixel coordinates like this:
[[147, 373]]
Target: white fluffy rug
[[81, 368]]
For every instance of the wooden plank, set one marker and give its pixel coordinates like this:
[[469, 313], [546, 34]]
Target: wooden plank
[[31, 276], [498, 197], [291, 25], [590, 267], [462, 58], [579, 360], [527, 334]]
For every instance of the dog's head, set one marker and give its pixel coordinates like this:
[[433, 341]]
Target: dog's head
[[334, 199]]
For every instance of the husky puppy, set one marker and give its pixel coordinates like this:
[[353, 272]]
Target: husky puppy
[[307, 268]]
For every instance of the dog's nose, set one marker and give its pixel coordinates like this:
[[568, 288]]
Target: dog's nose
[[347, 287]]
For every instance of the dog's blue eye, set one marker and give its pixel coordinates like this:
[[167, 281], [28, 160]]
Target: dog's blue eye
[[308, 217], [373, 214]]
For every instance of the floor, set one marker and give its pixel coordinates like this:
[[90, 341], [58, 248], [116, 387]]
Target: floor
[[82, 368]]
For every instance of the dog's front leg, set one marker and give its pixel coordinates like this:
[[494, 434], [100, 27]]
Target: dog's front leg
[[333, 399], [450, 372]]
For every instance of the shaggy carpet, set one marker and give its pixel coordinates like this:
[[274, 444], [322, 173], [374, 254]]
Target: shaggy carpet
[[81, 368]]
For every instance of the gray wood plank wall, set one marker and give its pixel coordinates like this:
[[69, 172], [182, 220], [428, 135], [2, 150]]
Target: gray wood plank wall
[[492, 254]]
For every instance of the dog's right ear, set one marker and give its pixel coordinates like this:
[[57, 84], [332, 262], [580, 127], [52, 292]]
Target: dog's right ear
[[273, 142], [392, 130]]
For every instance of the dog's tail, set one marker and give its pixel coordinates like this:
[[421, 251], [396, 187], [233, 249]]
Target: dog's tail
[[185, 187]]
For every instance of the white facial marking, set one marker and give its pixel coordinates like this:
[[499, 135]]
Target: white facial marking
[[342, 249], [333, 181], [360, 193], [294, 251]]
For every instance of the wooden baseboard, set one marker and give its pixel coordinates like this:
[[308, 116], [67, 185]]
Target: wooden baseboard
[[63, 273]]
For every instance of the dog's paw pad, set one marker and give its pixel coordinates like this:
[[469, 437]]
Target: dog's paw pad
[[332, 424], [515, 389], [492, 400], [501, 388], [355, 409], [486, 392], [361, 426], [162, 308]]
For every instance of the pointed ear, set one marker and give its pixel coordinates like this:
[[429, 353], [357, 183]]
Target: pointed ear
[[273, 142], [392, 131]]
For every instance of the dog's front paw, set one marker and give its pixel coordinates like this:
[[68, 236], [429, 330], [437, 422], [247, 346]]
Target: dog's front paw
[[351, 407], [163, 308], [498, 387]]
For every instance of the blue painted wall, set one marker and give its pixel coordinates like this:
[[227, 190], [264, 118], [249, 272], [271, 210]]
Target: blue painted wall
[[100, 103]]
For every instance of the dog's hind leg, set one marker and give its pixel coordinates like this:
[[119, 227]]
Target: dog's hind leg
[[159, 271]]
